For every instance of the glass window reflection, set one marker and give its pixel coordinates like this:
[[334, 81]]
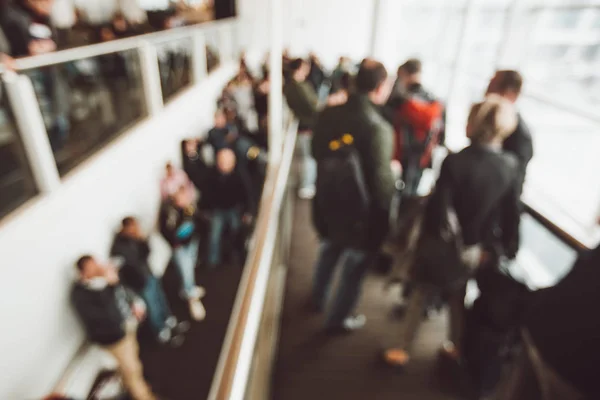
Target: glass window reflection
[[88, 102], [16, 181], [174, 61], [213, 58]]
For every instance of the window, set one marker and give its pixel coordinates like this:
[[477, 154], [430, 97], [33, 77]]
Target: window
[[562, 177], [87, 103], [213, 58], [564, 19], [175, 66], [16, 181], [592, 53], [550, 53]]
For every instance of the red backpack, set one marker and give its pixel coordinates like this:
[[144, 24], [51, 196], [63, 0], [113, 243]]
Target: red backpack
[[418, 124]]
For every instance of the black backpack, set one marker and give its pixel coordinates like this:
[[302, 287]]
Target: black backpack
[[343, 200]]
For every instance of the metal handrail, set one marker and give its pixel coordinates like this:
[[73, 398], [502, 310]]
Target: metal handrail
[[115, 46], [231, 376]]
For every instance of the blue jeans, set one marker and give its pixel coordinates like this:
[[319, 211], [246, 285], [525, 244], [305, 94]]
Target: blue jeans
[[354, 265], [185, 258], [308, 169], [221, 219], [156, 302]]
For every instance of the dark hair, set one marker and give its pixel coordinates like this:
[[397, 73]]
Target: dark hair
[[296, 64], [345, 81], [509, 80], [82, 261], [371, 75], [412, 66], [127, 221]]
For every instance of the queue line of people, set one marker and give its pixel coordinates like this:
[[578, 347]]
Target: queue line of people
[[208, 204], [469, 227]]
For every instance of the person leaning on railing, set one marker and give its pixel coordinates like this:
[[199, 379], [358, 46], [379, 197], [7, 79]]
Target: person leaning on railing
[[28, 29]]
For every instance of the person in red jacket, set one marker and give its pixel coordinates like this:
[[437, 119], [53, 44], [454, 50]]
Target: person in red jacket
[[418, 119]]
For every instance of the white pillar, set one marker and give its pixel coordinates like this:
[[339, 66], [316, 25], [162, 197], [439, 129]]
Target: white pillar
[[199, 69], [32, 129], [375, 27], [457, 109], [151, 78], [276, 93]]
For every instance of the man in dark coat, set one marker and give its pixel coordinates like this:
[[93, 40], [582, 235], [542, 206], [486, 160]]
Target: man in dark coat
[[373, 136]]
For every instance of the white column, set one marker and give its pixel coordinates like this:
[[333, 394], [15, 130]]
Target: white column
[[375, 27], [459, 81], [151, 78], [463, 49], [276, 93], [199, 69], [225, 42], [32, 129]]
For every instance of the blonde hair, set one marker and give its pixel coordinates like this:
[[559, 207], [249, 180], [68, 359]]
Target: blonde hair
[[495, 118]]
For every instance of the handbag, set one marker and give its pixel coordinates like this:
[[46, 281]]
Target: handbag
[[438, 256]]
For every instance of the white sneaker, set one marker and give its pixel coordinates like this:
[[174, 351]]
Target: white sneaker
[[197, 310], [171, 322], [198, 292], [307, 193], [164, 336]]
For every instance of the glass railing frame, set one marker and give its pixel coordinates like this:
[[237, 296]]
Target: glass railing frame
[[26, 110]]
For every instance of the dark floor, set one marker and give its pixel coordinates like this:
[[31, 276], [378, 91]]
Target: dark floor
[[313, 366], [186, 373]]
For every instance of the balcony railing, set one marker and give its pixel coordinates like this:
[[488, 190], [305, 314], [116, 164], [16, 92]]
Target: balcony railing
[[58, 109]]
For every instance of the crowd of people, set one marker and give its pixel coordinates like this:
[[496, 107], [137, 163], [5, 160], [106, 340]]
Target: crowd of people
[[60, 24], [365, 144], [69, 92], [206, 215]]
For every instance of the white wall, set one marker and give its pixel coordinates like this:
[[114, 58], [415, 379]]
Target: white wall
[[40, 333], [330, 28]]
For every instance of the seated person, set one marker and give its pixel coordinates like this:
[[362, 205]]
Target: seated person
[[230, 199], [173, 180], [131, 246], [177, 221], [110, 314]]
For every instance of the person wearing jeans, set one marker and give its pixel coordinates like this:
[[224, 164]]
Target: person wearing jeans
[[308, 166], [230, 197], [130, 249], [355, 249], [177, 222], [354, 264], [304, 102], [221, 220]]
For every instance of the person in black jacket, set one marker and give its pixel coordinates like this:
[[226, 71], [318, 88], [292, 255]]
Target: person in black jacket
[[508, 84], [230, 202], [563, 325], [177, 221], [359, 117], [28, 29], [110, 314], [132, 248], [480, 185]]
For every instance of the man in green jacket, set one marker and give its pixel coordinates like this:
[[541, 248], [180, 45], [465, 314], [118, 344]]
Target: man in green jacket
[[304, 103], [373, 137]]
